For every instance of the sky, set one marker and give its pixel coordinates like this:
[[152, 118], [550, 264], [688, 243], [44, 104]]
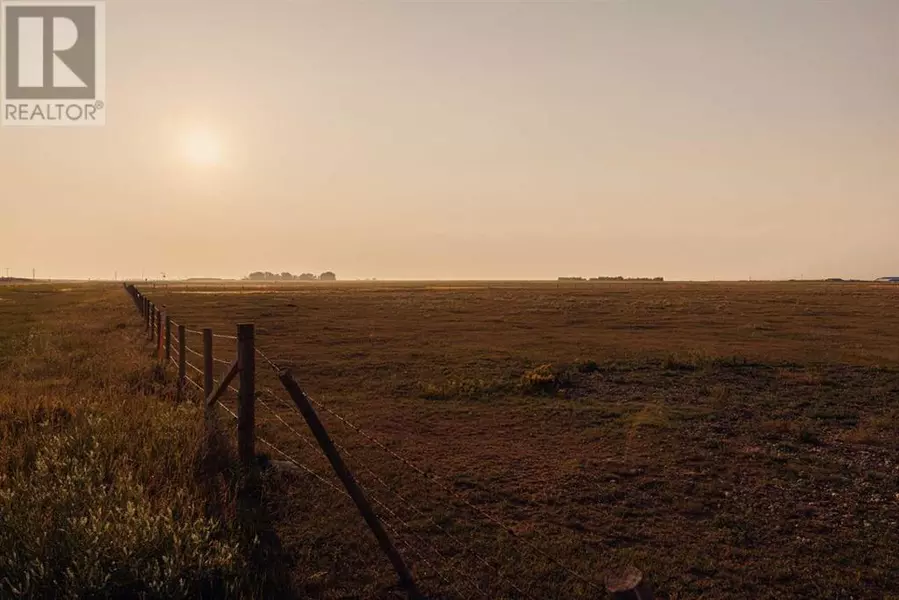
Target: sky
[[701, 140]]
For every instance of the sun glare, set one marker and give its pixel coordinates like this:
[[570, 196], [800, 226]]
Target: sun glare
[[202, 148]]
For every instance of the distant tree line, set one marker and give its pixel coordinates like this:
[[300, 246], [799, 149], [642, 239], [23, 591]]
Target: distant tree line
[[286, 276], [618, 278]]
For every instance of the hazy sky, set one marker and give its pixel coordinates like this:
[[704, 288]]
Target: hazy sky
[[686, 139]]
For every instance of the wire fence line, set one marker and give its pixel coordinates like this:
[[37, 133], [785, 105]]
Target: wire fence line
[[191, 365], [421, 556], [230, 412], [270, 362], [193, 383], [378, 502], [380, 481], [448, 489], [287, 425], [389, 517], [384, 508], [297, 463]]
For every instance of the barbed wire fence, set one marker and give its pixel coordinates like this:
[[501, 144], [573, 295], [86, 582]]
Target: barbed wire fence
[[387, 511]]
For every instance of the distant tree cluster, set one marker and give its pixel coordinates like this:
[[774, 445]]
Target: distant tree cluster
[[285, 276], [618, 278]]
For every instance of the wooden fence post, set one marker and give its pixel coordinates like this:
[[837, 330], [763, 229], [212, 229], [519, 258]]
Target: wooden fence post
[[208, 382], [168, 337], [182, 361], [232, 372], [246, 403], [157, 336], [150, 309], [349, 482]]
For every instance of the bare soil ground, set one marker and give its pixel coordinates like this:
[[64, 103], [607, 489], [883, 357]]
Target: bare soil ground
[[730, 440]]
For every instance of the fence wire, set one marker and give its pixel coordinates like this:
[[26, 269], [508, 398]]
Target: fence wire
[[380, 481], [380, 504], [385, 511], [193, 383], [449, 490]]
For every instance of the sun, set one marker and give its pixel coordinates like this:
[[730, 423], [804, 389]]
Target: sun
[[202, 148]]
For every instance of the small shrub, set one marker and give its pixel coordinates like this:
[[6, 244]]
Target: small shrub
[[733, 361], [546, 379], [684, 362]]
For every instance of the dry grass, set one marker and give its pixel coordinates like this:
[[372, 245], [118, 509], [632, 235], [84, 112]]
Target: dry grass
[[105, 486], [707, 438], [731, 440]]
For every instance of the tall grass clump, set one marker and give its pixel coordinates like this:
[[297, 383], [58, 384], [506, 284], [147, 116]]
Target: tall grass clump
[[81, 522], [105, 485], [553, 378]]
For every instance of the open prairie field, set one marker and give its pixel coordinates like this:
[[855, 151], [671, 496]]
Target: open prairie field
[[730, 440]]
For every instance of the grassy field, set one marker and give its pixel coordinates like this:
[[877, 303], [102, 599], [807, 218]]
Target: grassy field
[[108, 487], [730, 440]]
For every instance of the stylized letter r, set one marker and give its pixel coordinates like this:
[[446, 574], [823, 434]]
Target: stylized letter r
[[35, 49], [65, 36]]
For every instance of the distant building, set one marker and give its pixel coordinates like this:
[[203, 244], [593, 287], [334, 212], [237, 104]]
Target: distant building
[[887, 280]]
